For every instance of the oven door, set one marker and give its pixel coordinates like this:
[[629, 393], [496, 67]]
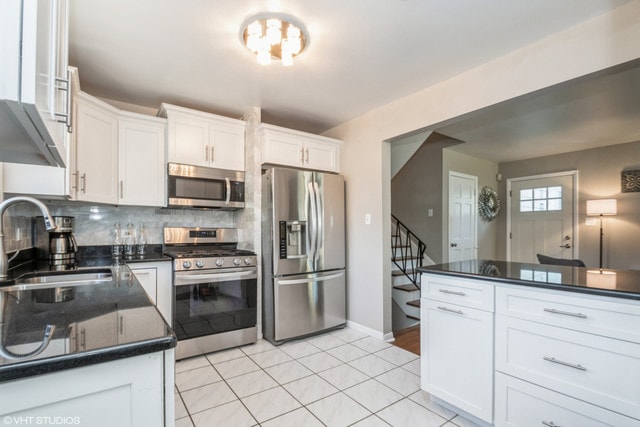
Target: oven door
[[214, 303]]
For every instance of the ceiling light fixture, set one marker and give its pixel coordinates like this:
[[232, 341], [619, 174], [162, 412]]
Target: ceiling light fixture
[[273, 35]]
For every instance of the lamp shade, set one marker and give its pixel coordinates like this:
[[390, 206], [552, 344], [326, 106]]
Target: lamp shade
[[602, 207]]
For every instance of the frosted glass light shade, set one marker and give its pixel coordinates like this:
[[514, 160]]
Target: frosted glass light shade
[[602, 207]]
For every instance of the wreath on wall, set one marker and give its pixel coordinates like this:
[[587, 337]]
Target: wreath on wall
[[488, 203]]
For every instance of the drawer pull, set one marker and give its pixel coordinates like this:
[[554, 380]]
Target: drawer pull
[[560, 362], [550, 423], [446, 291], [450, 310], [566, 313]]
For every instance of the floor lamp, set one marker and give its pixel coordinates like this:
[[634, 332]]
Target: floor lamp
[[600, 208]]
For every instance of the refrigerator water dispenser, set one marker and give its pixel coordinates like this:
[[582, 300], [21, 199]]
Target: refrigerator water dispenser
[[293, 241]]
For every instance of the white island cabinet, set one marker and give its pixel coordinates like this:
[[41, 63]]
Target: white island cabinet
[[521, 355], [287, 147], [34, 82], [457, 340]]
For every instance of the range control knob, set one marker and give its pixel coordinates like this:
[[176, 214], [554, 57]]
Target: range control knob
[[199, 263], [247, 261], [236, 261], [186, 264], [219, 262]]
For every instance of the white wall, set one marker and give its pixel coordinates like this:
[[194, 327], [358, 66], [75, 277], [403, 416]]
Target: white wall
[[593, 46]]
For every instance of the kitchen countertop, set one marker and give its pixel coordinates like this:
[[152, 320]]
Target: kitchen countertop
[[100, 322], [612, 283]]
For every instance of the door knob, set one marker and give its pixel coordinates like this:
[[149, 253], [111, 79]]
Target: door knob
[[454, 245], [567, 237], [567, 246]]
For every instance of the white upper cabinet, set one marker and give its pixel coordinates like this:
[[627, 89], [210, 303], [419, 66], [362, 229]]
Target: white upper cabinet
[[282, 146], [96, 150], [203, 139], [35, 98], [120, 155], [47, 181], [141, 162]]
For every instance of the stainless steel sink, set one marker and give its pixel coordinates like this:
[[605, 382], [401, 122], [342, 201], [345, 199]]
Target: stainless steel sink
[[58, 279]]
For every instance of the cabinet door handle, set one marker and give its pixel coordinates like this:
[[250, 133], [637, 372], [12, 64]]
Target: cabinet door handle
[[302, 155], [75, 181], [446, 291], [213, 153], [83, 181], [65, 117], [121, 189], [307, 152], [121, 322], [83, 338], [565, 313], [550, 423], [560, 362], [450, 310], [206, 153]]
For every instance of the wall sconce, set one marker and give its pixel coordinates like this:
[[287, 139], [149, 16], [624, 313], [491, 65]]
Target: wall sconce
[[600, 208]]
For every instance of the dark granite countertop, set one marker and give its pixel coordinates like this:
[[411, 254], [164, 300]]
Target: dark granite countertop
[[612, 283], [96, 322]]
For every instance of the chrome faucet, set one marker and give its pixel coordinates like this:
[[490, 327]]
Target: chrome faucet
[[48, 223]]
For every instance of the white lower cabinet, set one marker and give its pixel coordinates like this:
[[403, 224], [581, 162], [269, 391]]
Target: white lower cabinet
[[522, 404], [584, 348], [125, 392], [457, 349], [556, 358], [156, 279]]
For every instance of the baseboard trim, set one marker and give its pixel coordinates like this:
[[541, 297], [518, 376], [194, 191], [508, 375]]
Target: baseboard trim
[[388, 337]]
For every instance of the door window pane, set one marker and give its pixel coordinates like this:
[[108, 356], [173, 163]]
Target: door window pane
[[541, 199]]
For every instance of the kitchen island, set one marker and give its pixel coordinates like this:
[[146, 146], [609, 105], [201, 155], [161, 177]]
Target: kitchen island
[[96, 352], [515, 344]]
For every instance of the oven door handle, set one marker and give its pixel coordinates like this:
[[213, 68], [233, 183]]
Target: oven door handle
[[216, 277]]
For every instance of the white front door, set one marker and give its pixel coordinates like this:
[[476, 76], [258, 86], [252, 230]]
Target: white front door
[[541, 217], [462, 216]]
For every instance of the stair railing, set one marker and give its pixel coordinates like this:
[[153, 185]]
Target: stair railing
[[404, 240]]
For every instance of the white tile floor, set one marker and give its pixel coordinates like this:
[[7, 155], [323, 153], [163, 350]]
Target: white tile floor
[[342, 378]]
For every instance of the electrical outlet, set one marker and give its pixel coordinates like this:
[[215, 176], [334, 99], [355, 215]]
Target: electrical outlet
[[430, 212], [367, 219]]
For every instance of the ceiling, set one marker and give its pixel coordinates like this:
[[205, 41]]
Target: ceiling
[[593, 111], [362, 54]]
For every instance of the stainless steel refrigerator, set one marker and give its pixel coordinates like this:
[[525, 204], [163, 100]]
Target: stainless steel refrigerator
[[303, 250]]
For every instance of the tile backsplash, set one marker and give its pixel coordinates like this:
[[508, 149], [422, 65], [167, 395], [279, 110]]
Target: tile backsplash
[[94, 224], [17, 232]]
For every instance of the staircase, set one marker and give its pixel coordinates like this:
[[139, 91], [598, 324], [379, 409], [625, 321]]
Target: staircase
[[407, 253]]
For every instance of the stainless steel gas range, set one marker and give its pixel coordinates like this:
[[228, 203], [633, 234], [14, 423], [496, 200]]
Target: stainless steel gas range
[[214, 290]]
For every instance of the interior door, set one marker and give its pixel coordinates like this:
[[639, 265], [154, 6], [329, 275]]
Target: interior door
[[462, 217], [541, 217]]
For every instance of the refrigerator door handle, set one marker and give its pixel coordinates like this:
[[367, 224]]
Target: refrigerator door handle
[[318, 228], [313, 222], [307, 280]]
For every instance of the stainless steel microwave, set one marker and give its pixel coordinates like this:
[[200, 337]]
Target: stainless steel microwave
[[191, 186]]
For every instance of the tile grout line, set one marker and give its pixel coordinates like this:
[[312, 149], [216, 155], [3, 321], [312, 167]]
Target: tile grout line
[[325, 351]]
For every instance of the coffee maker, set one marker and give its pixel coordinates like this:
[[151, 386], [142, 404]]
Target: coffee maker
[[57, 245]]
